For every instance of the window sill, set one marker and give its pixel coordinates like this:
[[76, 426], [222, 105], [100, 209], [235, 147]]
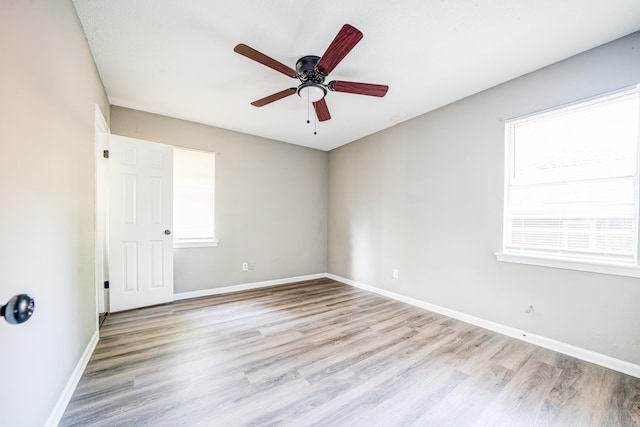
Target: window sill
[[194, 243], [592, 267]]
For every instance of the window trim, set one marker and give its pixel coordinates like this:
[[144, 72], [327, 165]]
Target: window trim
[[191, 242], [578, 264], [626, 270]]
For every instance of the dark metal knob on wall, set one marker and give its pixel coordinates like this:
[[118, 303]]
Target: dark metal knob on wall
[[18, 309], [167, 232]]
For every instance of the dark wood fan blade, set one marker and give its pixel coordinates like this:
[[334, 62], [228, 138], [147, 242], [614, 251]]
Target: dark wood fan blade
[[358, 88], [345, 40], [322, 111], [251, 53], [269, 99]]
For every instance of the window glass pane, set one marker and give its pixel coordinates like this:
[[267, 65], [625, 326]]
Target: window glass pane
[[597, 141], [193, 203]]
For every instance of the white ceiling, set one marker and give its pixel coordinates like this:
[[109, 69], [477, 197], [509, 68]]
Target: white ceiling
[[176, 58]]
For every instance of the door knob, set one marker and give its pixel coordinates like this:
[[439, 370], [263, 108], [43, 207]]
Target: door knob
[[167, 232], [19, 309]]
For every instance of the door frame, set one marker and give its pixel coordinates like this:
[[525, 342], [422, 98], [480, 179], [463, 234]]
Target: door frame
[[101, 191]]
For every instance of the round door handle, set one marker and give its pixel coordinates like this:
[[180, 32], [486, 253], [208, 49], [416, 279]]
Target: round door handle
[[167, 232], [18, 310]]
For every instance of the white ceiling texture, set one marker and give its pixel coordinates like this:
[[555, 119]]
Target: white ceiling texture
[[176, 57]]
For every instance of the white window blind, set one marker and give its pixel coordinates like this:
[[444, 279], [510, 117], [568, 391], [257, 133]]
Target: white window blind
[[571, 182], [194, 197]]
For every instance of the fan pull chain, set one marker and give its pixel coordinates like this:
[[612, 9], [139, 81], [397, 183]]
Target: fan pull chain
[[308, 107], [315, 116]]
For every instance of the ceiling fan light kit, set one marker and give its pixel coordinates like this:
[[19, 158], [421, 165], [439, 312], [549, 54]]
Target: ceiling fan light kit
[[311, 91], [312, 71]]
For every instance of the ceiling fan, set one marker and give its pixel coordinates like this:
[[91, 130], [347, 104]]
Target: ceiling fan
[[312, 71]]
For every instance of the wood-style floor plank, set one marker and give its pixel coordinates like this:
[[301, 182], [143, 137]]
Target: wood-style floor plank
[[320, 353]]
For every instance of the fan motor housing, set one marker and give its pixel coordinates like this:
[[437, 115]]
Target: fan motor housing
[[307, 71]]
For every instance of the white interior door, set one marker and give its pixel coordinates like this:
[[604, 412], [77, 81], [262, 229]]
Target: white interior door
[[140, 223]]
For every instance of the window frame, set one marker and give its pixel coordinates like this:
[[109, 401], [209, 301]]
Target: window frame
[[202, 241], [566, 262]]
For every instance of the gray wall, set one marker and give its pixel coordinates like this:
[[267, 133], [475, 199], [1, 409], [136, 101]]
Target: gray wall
[[271, 203], [48, 90], [426, 197]]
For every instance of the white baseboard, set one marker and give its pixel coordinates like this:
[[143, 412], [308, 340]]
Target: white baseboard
[[246, 286], [561, 347], [67, 393]]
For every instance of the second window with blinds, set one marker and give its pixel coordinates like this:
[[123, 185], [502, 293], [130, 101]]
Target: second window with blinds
[[571, 186], [193, 198]]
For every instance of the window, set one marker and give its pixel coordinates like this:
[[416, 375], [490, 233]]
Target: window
[[571, 186], [193, 198]]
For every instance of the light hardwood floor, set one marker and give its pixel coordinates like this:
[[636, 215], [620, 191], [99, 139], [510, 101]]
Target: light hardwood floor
[[321, 353]]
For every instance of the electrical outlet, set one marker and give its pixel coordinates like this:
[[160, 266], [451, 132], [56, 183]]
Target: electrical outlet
[[245, 266], [395, 273]]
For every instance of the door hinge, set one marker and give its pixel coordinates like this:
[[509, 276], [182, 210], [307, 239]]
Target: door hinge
[[105, 154], [106, 284]]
